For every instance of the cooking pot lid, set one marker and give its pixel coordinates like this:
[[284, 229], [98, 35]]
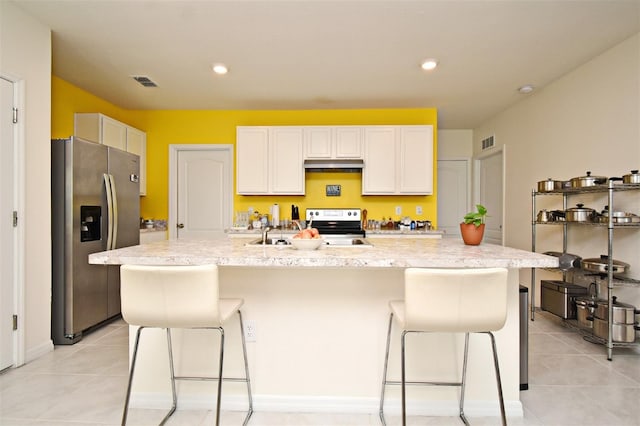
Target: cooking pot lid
[[604, 260], [589, 176], [580, 208]]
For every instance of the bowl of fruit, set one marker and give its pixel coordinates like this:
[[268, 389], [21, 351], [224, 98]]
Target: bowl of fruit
[[307, 239]]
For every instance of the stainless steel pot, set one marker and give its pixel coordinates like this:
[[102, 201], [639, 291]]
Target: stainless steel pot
[[545, 216], [633, 177], [550, 185], [601, 264], [623, 313], [585, 308], [623, 333], [580, 213], [588, 180]]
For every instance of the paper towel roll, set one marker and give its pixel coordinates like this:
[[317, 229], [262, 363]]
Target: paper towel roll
[[275, 215]]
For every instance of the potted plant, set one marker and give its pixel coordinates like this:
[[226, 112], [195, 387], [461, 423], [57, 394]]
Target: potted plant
[[472, 226]]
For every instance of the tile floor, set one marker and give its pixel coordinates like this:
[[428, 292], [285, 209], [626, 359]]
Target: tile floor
[[570, 383]]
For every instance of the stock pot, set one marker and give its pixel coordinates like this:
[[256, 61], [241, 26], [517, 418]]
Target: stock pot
[[623, 333], [623, 313], [580, 213]]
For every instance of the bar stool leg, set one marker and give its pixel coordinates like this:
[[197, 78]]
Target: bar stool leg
[[498, 380], [219, 398], [246, 370], [172, 374], [384, 373], [403, 373], [464, 378], [133, 367]]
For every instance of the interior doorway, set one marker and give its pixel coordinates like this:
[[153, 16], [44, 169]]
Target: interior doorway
[[8, 224], [454, 179], [200, 191], [489, 180]]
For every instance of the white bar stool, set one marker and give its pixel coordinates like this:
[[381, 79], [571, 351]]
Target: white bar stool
[[178, 297], [449, 301]]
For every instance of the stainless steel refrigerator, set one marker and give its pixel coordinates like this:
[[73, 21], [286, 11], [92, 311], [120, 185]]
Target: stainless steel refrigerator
[[95, 206]]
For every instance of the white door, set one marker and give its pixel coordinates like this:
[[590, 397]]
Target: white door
[[490, 184], [7, 229], [202, 200], [453, 195]]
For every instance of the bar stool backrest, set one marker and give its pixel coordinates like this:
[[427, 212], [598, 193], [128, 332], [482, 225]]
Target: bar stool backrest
[[455, 300], [170, 296]]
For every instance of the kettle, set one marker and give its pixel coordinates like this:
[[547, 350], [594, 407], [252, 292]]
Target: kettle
[[545, 216]]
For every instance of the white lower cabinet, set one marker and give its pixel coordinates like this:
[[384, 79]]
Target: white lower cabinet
[[269, 160], [398, 160]]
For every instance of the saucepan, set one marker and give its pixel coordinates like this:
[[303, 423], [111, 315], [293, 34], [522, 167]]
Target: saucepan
[[633, 177], [580, 213], [550, 185]]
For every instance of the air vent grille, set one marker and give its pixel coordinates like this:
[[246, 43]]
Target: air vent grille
[[144, 80], [488, 142]]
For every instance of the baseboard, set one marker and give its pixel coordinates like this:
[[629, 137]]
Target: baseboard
[[38, 351], [328, 404]]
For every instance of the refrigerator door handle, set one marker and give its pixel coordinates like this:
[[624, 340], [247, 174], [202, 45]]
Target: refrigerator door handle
[[114, 200], [107, 187]]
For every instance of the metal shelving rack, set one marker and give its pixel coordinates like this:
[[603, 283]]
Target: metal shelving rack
[[610, 189]]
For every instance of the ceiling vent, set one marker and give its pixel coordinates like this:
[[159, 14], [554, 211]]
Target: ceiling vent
[[488, 142], [144, 80]]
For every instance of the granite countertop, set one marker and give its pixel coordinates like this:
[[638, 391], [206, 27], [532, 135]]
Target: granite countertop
[[387, 252]]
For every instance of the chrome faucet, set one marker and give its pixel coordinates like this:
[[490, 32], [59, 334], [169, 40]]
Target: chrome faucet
[[264, 234]]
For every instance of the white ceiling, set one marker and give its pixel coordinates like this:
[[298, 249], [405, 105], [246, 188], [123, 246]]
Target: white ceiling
[[316, 54]]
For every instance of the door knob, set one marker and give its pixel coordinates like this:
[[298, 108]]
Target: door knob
[[180, 225]]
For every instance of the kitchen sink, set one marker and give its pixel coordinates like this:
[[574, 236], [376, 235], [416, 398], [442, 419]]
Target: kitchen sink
[[331, 242], [270, 242]]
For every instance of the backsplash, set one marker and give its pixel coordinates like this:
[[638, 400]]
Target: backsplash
[[378, 206]]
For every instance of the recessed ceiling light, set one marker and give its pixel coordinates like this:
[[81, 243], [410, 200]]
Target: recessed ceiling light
[[527, 88], [429, 64], [220, 69]]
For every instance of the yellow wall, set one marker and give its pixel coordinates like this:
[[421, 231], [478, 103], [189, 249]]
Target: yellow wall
[[166, 127]]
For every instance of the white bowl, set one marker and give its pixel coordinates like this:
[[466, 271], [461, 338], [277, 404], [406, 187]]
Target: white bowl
[[306, 243]]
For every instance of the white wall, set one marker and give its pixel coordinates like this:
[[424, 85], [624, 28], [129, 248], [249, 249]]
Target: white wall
[[586, 120], [455, 143], [25, 55]]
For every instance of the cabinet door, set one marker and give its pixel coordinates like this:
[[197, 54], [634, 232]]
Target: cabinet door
[[317, 142], [379, 173], [348, 142], [252, 160], [113, 133], [137, 144], [286, 165], [415, 168]]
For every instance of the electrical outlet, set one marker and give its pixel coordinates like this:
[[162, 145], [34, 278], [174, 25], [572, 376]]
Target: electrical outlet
[[250, 334], [418, 209], [398, 210]]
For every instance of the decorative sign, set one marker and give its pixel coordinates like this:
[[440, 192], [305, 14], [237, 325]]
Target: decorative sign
[[333, 190]]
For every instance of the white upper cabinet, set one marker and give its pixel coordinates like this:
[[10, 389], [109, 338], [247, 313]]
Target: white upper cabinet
[[137, 144], [331, 142], [269, 160], [379, 173], [398, 160], [105, 130]]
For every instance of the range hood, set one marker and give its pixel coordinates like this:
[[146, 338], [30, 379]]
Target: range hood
[[334, 165]]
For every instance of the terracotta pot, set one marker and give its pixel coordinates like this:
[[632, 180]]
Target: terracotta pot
[[471, 235]]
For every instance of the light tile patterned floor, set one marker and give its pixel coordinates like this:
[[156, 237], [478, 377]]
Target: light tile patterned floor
[[571, 382]]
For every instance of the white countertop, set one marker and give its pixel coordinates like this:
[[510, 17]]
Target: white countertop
[[388, 252]]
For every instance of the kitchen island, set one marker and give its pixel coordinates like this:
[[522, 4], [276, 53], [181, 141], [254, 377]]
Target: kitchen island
[[320, 321]]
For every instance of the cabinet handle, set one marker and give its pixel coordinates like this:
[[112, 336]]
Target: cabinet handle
[[180, 225]]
